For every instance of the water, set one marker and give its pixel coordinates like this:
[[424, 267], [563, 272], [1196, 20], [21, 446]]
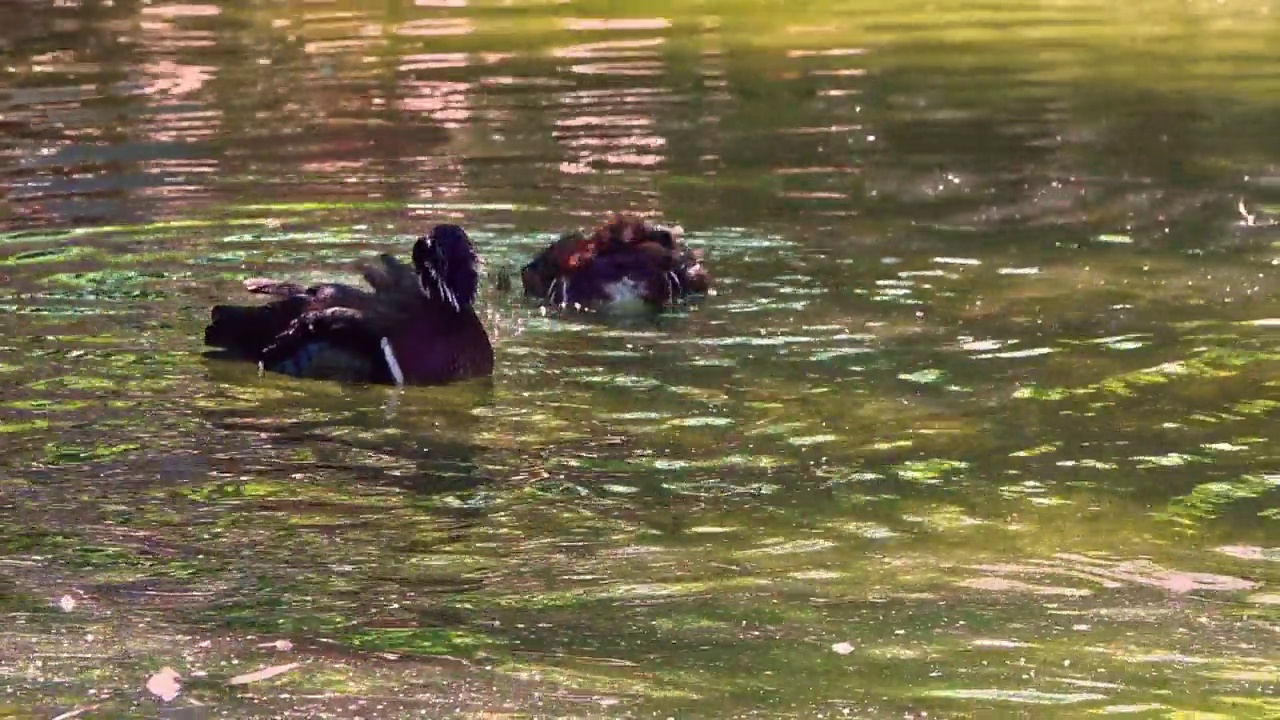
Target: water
[[981, 421]]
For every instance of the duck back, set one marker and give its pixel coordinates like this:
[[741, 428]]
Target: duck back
[[244, 330]]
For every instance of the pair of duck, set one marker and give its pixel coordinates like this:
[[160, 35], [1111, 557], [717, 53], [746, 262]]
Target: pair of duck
[[418, 325]]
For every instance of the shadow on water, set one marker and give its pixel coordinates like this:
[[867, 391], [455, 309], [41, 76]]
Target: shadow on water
[[979, 421], [424, 436]]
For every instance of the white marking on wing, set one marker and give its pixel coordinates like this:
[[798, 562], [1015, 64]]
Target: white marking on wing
[[392, 364]]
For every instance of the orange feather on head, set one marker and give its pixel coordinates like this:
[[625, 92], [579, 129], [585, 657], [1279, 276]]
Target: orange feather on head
[[572, 252], [621, 233]]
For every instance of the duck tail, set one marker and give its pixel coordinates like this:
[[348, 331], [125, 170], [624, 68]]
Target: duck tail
[[247, 329]]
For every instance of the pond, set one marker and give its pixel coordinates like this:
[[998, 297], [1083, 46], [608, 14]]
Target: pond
[[980, 421]]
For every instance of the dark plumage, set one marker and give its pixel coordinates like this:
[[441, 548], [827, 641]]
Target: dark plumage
[[621, 262], [417, 326]]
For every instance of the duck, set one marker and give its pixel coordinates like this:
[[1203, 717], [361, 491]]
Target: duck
[[417, 326], [624, 264]]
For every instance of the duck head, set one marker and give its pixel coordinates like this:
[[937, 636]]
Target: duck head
[[447, 266], [624, 264]]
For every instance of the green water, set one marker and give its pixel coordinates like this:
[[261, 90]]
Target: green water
[[981, 422]]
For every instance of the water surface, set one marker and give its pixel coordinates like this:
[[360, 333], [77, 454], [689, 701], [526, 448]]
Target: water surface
[[980, 422]]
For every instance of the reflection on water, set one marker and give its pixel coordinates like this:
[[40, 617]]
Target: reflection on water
[[979, 421]]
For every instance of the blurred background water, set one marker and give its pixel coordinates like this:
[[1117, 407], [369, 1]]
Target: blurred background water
[[981, 421]]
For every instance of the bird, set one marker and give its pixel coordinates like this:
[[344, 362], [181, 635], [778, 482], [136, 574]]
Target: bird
[[624, 264], [417, 326]]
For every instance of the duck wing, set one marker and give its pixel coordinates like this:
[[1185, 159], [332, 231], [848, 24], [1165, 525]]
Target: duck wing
[[329, 330], [244, 330], [342, 335], [338, 343]]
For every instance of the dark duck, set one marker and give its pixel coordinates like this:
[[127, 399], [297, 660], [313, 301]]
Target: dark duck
[[623, 265], [416, 327]]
